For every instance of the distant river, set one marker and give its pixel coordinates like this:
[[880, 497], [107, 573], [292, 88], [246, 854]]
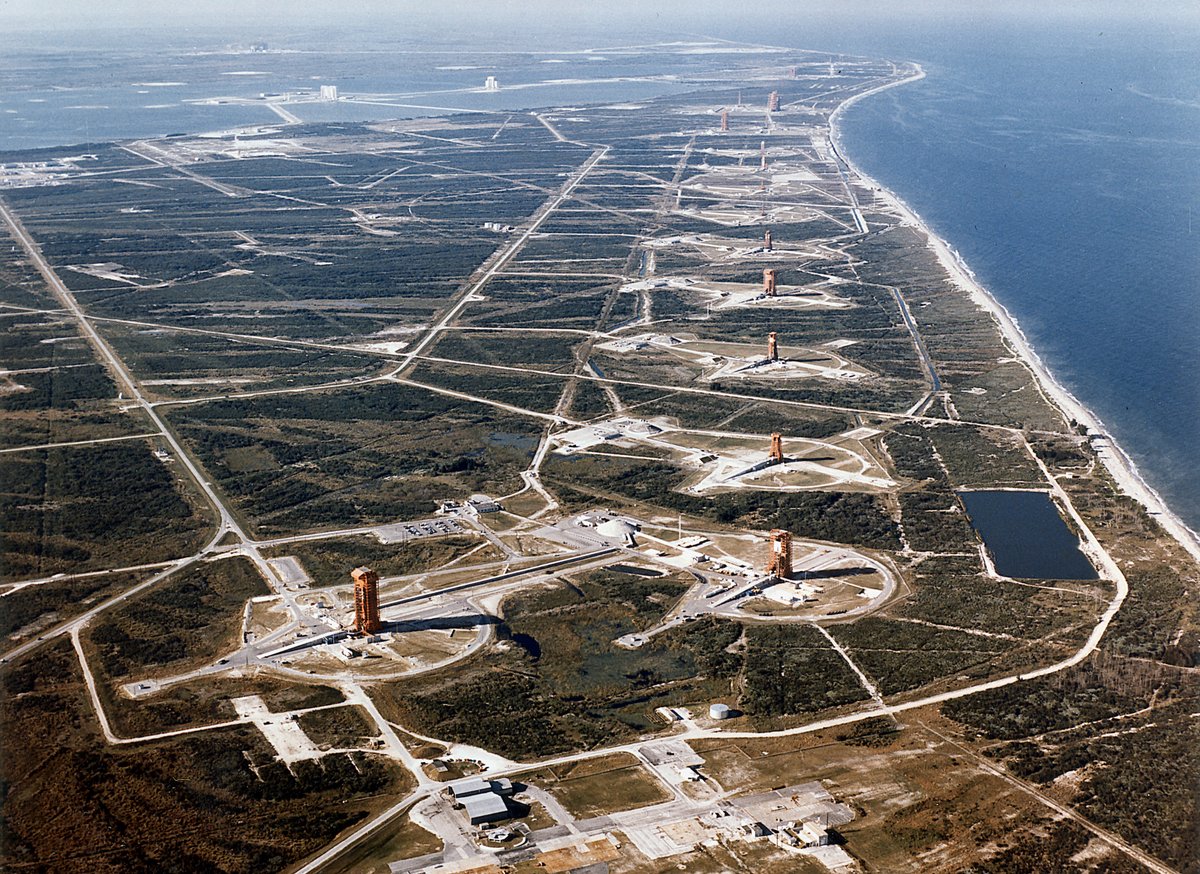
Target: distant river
[[1064, 165]]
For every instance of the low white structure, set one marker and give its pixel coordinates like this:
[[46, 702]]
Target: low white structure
[[329, 92], [482, 504], [483, 800], [811, 834], [792, 594], [617, 530], [485, 807], [683, 774], [469, 786], [719, 711]]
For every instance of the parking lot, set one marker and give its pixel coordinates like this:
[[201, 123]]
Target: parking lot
[[399, 532]]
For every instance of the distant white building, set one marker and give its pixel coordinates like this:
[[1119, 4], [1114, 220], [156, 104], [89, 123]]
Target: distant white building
[[490, 84], [811, 834], [329, 92], [482, 504]]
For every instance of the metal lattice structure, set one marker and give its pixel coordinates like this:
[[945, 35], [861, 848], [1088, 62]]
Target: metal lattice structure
[[366, 601], [780, 562], [773, 346], [777, 448], [769, 282]]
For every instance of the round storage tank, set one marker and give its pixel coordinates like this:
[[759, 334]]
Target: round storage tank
[[718, 711]]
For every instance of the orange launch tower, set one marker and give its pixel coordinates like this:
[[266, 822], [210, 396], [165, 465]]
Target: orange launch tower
[[767, 240], [769, 282], [366, 601], [773, 346], [724, 119], [780, 563], [773, 102], [777, 448]]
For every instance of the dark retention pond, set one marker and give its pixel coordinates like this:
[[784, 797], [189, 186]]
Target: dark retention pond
[[636, 571], [1026, 536]]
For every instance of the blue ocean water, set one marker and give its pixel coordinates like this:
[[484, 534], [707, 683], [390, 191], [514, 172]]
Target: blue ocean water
[[1059, 155], [1064, 166]]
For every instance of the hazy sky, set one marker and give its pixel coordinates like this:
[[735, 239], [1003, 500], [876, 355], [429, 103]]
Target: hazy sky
[[473, 14]]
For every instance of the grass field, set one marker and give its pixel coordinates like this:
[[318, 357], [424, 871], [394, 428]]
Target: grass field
[[599, 786]]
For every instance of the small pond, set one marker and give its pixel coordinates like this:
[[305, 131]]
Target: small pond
[[1026, 536], [636, 571]]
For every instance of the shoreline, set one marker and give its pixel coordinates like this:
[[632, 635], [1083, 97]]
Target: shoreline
[[1110, 453]]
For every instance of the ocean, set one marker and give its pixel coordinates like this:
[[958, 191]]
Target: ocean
[[1064, 166], [1059, 156]]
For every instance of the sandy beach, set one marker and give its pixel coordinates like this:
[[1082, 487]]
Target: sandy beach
[[1114, 458]]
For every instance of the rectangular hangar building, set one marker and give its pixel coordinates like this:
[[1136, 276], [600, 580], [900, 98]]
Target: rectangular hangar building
[[485, 807], [483, 800]]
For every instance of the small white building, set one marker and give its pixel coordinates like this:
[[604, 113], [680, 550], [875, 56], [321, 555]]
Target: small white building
[[329, 92], [482, 504], [811, 834], [680, 774]]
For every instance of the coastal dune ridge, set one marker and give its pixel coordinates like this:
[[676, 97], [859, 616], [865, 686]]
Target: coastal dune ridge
[[1114, 458]]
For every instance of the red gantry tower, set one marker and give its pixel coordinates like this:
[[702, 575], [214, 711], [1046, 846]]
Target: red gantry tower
[[366, 601], [780, 564], [769, 282]]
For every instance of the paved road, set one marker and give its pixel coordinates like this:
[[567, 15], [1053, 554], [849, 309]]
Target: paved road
[[20, 584], [83, 619], [227, 523], [37, 446], [124, 378], [926, 360], [474, 584], [503, 258]]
